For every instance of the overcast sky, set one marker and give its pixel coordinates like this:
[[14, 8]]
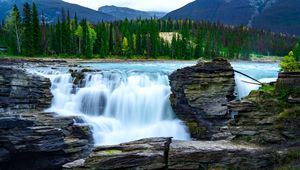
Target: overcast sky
[[147, 5]]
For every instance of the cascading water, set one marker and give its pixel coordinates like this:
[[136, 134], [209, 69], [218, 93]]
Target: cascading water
[[119, 106], [264, 72], [130, 101]]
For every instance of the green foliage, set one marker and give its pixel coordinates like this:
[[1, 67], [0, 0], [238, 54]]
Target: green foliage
[[189, 39], [112, 152], [13, 26], [125, 47], [36, 31], [289, 63], [267, 89], [27, 24], [297, 51]]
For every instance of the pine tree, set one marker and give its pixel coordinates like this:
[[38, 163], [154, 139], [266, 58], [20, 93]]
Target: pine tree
[[27, 23], [36, 31], [58, 37], [297, 51]]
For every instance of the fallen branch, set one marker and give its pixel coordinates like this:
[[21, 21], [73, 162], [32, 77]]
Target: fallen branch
[[259, 83]]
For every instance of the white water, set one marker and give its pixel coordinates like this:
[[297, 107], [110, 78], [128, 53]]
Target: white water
[[130, 101], [119, 106], [264, 72]]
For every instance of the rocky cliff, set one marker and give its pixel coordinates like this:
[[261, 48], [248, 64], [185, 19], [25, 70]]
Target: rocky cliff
[[29, 137], [21, 91], [200, 97]]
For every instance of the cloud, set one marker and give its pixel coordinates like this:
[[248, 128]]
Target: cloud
[[146, 5]]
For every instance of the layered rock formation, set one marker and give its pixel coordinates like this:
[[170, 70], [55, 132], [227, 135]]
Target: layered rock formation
[[269, 118], [20, 91], [30, 138], [200, 97], [163, 153], [37, 140], [270, 115]]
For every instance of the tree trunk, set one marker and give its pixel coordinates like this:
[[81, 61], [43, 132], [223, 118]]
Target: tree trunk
[[18, 39]]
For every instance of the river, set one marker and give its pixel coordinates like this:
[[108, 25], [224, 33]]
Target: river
[[129, 101]]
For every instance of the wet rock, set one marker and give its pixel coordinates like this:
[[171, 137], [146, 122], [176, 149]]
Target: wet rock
[[21, 91], [200, 95]]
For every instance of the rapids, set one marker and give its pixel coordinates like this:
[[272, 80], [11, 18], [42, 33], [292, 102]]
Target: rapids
[[130, 101]]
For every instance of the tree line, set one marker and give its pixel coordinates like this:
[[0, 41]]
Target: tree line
[[28, 33]]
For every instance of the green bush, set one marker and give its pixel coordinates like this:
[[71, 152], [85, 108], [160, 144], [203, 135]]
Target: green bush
[[289, 63]]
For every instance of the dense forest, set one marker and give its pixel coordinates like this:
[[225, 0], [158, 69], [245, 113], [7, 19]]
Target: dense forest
[[25, 32]]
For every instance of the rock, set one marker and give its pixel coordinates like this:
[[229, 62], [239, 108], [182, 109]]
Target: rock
[[76, 164], [21, 91], [200, 95], [142, 154], [29, 137], [42, 137], [216, 154], [11, 122], [288, 82], [294, 98], [163, 153], [265, 118]]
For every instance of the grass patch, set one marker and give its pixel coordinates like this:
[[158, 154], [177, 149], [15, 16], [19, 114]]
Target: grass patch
[[267, 89], [290, 113], [112, 152]]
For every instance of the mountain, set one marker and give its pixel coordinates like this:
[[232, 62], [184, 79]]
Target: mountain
[[53, 9], [277, 15], [121, 13]]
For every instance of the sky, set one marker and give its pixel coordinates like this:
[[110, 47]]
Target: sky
[[145, 5]]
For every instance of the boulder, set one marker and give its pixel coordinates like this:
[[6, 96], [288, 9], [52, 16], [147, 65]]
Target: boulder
[[200, 95]]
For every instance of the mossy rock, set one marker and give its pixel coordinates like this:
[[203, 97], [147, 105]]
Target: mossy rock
[[196, 129]]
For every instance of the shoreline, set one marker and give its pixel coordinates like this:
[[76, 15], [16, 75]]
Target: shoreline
[[113, 60]]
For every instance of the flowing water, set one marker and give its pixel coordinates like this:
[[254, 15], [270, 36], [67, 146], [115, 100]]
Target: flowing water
[[130, 101], [264, 72]]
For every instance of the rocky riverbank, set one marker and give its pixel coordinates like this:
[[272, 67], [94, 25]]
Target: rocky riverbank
[[29, 137]]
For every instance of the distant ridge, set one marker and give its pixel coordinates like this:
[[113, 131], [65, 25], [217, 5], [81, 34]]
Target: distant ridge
[[53, 8], [276, 15], [121, 13]]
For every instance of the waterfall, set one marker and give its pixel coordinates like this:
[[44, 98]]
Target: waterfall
[[130, 101], [119, 107]]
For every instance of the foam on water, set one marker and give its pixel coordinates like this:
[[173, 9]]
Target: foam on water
[[130, 101]]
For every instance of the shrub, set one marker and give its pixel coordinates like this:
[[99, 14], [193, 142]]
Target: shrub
[[289, 63]]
